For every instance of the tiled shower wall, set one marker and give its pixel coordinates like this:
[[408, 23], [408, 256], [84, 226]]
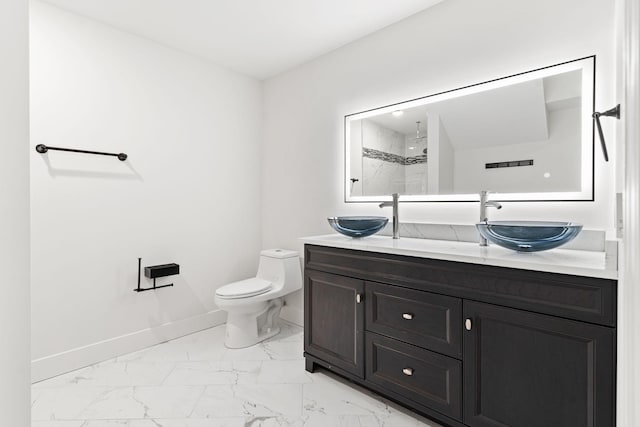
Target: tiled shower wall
[[388, 164]]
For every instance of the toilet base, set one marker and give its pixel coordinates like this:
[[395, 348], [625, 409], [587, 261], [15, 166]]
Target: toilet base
[[252, 325]]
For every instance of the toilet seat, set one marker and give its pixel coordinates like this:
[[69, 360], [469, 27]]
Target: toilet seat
[[244, 289]]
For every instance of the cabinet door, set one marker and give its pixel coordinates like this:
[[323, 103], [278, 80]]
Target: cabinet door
[[524, 369], [334, 320]]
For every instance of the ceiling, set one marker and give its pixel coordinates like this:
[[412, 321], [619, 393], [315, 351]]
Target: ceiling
[[259, 38]]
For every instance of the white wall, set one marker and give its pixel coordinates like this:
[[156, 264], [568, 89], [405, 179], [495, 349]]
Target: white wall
[[455, 43], [558, 156], [14, 214], [189, 193], [446, 162], [628, 130]]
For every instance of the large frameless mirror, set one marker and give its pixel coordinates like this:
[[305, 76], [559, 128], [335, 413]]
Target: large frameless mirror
[[526, 137]]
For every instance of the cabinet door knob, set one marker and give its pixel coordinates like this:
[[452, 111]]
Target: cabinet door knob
[[407, 316], [467, 324], [358, 298], [408, 371]]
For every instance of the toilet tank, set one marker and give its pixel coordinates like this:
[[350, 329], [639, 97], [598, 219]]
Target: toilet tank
[[281, 267]]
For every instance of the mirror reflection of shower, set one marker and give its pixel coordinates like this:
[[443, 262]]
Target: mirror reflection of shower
[[419, 143], [416, 166]]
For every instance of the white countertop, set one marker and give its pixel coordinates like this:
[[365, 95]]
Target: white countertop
[[564, 261]]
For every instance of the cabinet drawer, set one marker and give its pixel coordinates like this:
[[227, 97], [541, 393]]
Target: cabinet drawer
[[422, 376], [422, 318]]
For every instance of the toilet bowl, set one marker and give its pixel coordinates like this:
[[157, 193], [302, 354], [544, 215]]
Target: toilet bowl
[[253, 305]]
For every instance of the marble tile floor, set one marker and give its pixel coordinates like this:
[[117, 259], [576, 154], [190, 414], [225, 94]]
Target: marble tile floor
[[194, 381]]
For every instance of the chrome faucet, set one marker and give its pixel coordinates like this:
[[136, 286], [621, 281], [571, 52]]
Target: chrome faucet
[[396, 223], [484, 204]]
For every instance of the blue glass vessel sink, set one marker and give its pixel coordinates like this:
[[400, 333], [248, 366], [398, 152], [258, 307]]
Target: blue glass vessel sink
[[358, 226], [529, 236]]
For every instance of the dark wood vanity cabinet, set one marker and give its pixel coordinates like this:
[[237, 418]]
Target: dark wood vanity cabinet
[[466, 345]]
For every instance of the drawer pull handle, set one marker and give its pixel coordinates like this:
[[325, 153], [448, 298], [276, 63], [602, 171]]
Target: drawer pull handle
[[408, 371], [358, 298], [467, 324], [407, 316]]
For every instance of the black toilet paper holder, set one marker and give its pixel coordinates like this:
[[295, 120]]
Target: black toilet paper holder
[[155, 271]]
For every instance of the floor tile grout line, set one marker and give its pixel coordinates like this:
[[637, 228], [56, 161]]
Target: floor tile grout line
[[162, 383]]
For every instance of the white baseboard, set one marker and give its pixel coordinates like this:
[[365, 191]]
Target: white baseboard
[[292, 315], [70, 360]]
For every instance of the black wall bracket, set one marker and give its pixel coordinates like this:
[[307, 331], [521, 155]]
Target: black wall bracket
[[155, 271], [614, 112]]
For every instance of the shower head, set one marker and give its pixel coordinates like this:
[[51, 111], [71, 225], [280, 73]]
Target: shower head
[[418, 139]]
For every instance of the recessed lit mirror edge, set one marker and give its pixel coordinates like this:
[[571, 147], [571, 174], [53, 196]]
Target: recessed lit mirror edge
[[586, 64]]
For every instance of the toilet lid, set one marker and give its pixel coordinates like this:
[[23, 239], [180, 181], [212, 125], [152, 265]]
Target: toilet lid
[[244, 288]]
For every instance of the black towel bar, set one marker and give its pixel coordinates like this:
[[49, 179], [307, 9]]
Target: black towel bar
[[41, 148]]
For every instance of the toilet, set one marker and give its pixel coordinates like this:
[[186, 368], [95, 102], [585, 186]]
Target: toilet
[[253, 305]]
